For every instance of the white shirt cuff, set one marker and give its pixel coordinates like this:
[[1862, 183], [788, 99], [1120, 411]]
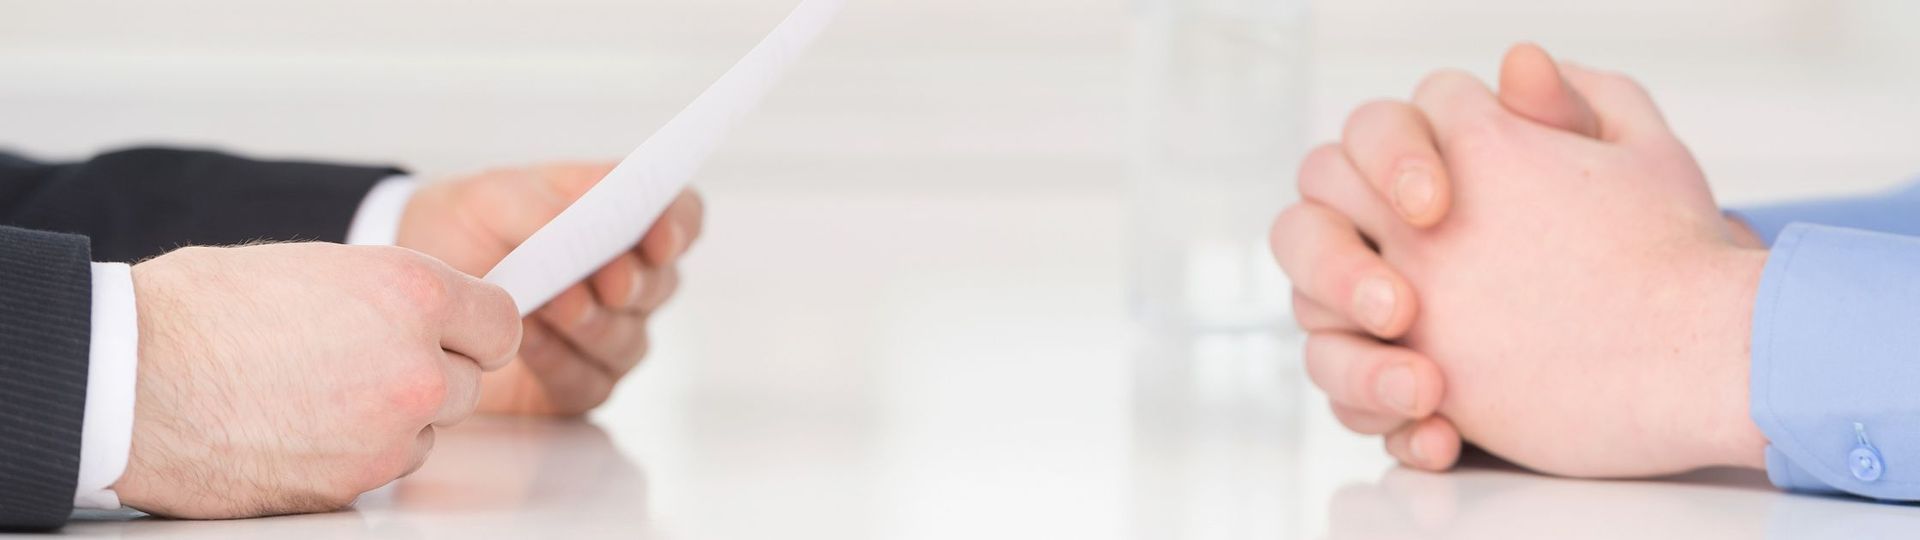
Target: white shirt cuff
[[106, 436], [377, 222]]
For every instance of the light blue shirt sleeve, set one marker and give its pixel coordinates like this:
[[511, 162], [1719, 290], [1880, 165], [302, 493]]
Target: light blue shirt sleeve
[[1831, 341], [1836, 359], [1896, 212]]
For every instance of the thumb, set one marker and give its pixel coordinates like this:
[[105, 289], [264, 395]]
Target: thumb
[[1531, 86]]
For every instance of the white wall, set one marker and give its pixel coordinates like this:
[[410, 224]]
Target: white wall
[[1777, 96]]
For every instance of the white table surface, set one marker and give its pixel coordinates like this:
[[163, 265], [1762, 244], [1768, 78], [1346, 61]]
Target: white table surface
[[909, 316]]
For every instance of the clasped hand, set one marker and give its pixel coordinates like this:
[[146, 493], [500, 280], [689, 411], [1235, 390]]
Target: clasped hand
[[1541, 272]]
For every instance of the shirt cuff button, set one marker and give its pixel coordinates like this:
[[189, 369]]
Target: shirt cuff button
[[1864, 460]]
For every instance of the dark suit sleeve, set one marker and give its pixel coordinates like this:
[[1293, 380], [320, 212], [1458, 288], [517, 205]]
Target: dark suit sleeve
[[46, 301], [143, 202]]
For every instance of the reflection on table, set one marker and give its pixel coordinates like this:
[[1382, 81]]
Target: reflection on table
[[1491, 500], [490, 477]]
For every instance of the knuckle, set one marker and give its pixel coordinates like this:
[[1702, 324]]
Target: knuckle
[[1320, 169], [1355, 368], [419, 390], [669, 285], [1354, 421], [584, 400], [594, 397], [1351, 424], [1374, 115], [1441, 79], [1300, 302], [1320, 159], [1395, 442], [1287, 224], [497, 304], [696, 204], [498, 307], [1480, 136], [1295, 226], [1349, 267], [1618, 80], [415, 285], [1308, 314], [1318, 356]]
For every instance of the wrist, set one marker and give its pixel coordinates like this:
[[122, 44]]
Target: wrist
[[1741, 233], [377, 221], [429, 222], [1728, 434], [147, 455], [134, 486]]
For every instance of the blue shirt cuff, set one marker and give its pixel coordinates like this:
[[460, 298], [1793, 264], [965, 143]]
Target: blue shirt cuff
[[1836, 358]]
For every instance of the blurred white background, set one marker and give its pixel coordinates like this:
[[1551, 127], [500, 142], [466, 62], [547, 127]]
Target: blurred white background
[[908, 318], [1786, 96]]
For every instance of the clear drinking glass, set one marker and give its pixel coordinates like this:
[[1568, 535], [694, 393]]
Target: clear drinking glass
[[1218, 110], [1218, 99]]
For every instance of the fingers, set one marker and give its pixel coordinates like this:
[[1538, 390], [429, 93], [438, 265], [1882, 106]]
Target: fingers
[[630, 286], [619, 285], [509, 205], [609, 341], [1329, 178], [603, 319], [1597, 104], [482, 322], [1373, 377], [1314, 316], [1432, 443], [1456, 105], [571, 384], [1531, 86], [660, 283], [603, 323], [462, 389], [1626, 111], [1391, 145], [675, 231], [1365, 422], [568, 181], [1330, 264], [575, 311], [573, 307]]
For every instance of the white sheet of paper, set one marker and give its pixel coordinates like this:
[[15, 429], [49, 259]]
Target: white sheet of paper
[[611, 217]]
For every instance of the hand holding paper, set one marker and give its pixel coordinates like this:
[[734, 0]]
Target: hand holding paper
[[581, 344], [613, 216]]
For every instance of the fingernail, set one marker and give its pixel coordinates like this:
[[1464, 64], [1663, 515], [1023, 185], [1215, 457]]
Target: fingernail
[[587, 315], [679, 236], [633, 288], [1417, 450], [1373, 302], [1395, 388], [1413, 191]]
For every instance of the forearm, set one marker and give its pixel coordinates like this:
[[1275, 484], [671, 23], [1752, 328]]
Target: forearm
[[139, 203], [45, 303], [1893, 212], [1832, 365]]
